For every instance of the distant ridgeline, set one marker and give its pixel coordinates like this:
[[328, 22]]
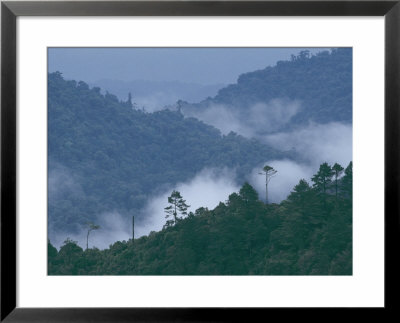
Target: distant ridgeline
[[321, 84], [106, 156], [309, 233]]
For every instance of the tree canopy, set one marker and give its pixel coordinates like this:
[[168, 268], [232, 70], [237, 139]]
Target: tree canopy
[[322, 83], [104, 155], [177, 208], [306, 234]]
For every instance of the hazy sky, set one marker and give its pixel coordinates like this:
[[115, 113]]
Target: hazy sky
[[190, 65]]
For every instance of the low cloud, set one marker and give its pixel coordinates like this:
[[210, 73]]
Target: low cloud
[[317, 143], [206, 189], [113, 227], [258, 119], [314, 144], [62, 182], [288, 175]]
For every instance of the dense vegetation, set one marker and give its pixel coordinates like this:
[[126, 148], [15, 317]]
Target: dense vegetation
[[322, 83], [107, 155], [104, 155], [309, 233]]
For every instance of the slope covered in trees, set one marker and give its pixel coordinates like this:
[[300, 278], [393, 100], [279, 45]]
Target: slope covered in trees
[[105, 156], [309, 233], [321, 84]]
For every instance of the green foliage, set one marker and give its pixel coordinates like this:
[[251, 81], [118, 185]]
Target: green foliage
[[337, 171], [267, 168], [323, 178], [69, 259], [321, 82], [177, 208], [116, 156], [248, 193], [307, 234], [347, 181]]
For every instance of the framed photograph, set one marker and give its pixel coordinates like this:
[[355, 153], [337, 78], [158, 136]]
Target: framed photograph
[[193, 160]]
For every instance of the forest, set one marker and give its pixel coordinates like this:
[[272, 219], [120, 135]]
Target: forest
[[109, 155], [321, 82], [309, 233], [113, 157]]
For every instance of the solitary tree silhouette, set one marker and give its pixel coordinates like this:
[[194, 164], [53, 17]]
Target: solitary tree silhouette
[[269, 172], [176, 209], [90, 227]]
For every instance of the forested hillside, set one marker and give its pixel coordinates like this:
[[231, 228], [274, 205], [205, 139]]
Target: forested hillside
[[309, 233], [321, 84], [104, 155]]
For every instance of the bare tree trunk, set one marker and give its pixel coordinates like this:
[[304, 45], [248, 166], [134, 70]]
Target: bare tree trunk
[[87, 240]]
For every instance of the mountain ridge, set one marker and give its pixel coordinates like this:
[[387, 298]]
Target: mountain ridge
[[119, 155], [321, 83]]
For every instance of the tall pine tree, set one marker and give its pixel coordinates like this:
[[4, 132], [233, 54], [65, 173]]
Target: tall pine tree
[[323, 178], [337, 171], [177, 208]]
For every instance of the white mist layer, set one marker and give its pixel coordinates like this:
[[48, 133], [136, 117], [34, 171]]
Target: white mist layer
[[61, 181], [288, 175], [316, 144], [113, 227], [206, 189], [259, 118]]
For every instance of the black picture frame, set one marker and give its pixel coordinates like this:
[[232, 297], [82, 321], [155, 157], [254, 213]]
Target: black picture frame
[[10, 10]]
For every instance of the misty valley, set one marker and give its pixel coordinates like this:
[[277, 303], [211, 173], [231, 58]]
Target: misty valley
[[253, 180]]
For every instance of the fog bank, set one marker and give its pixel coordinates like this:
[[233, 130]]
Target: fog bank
[[206, 189], [317, 143], [258, 119], [314, 144], [113, 227]]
